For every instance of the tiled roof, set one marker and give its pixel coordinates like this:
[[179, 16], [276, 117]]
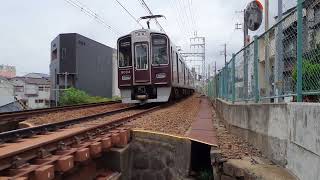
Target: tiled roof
[[37, 81]]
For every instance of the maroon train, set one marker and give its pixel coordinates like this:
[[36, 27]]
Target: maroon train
[[150, 68]]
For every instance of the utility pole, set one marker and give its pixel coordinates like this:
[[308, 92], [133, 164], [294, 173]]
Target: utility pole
[[279, 83], [224, 53], [266, 17], [266, 54]]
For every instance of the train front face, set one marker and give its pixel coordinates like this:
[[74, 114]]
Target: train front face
[[144, 74]]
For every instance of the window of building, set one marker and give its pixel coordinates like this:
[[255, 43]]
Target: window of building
[[41, 88], [47, 88], [54, 54], [38, 101], [141, 56], [47, 102], [18, 89], [82, 43], [63, 53], [125, 54], [159, 50]]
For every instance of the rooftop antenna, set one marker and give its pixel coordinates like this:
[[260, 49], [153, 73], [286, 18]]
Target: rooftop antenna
[[151, 17]]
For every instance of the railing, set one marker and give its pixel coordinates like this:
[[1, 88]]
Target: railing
[[282, 64]]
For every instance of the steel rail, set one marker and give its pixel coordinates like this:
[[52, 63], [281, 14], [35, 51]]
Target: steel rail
[[20, 115], [42, 129], [92, 133]]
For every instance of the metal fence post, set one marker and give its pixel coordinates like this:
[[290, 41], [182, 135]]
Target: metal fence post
[[233, 78], [227, 81], [256, 64], [245, 74], [224, 83], [299, 50]]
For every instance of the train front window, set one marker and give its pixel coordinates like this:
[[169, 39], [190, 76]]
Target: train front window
[[159, 50], [141, 56], [125, 52]]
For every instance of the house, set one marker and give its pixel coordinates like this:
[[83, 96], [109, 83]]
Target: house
[[8, 102], [33, 90]]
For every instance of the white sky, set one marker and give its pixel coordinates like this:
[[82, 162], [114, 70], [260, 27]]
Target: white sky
[[28, 27]]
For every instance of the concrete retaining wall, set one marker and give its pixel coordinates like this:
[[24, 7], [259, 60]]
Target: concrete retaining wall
[[288, 134], [159, 156]]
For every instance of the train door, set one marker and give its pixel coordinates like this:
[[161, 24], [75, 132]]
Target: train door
[[141, 63]]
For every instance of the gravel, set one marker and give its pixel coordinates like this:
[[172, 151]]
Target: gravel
[[110, 118], [72, 114], [175, 119], [231, 146]]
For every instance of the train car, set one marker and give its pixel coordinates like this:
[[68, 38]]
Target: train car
[[150, 68]]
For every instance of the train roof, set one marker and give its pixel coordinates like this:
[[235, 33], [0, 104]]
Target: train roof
[[147, 30]]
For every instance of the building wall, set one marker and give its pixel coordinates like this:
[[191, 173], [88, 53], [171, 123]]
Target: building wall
[[31, 95], [6, 92], [93, 67], [89, 65], [288, 134], [7, 71], [54, 67], [115, 88]]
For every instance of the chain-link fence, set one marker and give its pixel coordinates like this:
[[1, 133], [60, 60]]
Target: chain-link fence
[[282, 64]]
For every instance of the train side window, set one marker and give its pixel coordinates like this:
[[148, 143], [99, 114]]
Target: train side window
[[159, 50], [177, 60], [184, 75], [171, 61], [125, 54]]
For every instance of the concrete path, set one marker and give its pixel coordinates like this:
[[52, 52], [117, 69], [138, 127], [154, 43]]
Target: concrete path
[[202, 129]]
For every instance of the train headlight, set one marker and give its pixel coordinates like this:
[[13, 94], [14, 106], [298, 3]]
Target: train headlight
[[126, 77], [161, 75]]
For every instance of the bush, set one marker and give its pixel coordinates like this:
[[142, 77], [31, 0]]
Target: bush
[[310, 76], [73, 96]]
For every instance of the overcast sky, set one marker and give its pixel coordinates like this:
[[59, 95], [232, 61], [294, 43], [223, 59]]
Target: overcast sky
[[28, 27]]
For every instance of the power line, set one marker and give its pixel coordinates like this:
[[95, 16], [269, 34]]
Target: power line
[[180, 24], [188, 15], [192, 16], [135, 19], [145, 6], [92, 14], [184, 16]]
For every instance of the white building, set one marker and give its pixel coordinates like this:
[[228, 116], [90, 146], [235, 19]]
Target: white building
[[33, 90], [8, 102], [6, 91]]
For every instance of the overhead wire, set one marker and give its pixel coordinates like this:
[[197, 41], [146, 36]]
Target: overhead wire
[[135, 19], [188, 15], [192, 16], [92, 14], [146, 7], [179, 23], [184, 17]]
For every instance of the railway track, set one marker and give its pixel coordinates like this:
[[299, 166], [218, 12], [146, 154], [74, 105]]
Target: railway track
[[40, 151], [18, 116]]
